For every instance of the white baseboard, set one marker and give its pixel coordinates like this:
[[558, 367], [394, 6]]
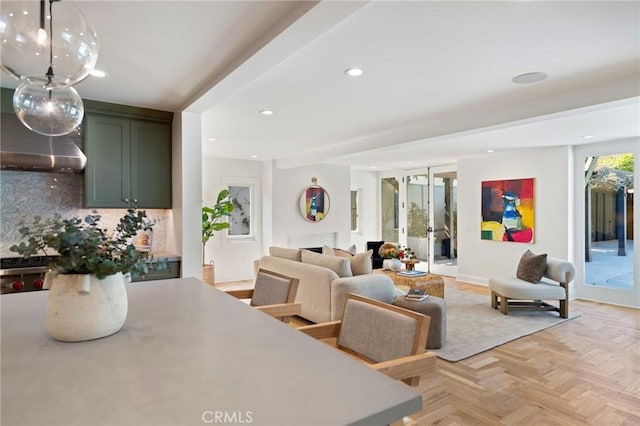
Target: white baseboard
[[473, 279]]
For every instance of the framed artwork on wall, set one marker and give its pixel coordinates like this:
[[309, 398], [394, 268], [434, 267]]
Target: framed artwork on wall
[[243, 194], [508, 212], [314, 202]]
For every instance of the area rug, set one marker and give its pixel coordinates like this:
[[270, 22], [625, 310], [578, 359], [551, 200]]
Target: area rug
[[474, 327]]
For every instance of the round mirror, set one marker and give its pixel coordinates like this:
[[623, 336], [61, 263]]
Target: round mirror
[[314, 203]]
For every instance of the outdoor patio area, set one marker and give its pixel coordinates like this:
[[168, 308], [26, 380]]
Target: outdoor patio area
[[607, 269]]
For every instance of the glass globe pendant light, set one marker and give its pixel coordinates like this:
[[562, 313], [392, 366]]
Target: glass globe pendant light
[[50, 112], [31, 42], [45, 102]]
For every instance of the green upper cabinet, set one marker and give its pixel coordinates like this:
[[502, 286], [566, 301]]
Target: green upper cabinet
[[128, 162], [151, 164]]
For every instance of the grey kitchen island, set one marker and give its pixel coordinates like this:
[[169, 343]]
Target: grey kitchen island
[[188, 354]]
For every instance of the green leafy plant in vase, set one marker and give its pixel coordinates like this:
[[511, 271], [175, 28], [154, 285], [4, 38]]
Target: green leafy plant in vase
[[213, 220], [87, 297]]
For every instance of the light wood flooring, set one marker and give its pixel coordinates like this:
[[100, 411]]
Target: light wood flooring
[[582, 372]]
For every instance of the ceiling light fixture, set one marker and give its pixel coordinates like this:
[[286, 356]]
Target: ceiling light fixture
[[266, 112], [587, 137], [353, 72], [254, 156], [211, 139], [490, 150], [530, 77], [47, 63]]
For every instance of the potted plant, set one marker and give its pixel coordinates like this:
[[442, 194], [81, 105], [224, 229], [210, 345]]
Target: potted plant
[[212, 221], [87, 297]]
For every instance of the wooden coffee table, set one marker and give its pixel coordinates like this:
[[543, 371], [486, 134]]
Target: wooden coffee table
[[431, 283]]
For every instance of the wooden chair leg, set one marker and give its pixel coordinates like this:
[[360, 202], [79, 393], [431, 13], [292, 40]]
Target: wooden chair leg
[[494, 300], [503, 305], [564, 309]]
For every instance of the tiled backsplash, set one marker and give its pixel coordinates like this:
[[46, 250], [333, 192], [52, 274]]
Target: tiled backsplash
[[37, 193]]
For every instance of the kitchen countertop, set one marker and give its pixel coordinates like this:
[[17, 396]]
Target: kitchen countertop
[[187, 354]]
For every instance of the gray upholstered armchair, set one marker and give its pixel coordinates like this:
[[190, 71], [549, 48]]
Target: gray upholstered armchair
[[273, 293], [390, 339]]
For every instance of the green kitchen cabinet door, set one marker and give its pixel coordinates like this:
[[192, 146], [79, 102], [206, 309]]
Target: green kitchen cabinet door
[[107, 174], [150, 164]]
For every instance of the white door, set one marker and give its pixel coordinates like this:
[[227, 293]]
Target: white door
[[607, 254]]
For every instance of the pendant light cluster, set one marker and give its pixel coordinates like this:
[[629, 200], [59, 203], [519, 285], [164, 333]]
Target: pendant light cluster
[[48, 46]]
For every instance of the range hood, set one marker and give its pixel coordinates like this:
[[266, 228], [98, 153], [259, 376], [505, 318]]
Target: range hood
[[23, 149]]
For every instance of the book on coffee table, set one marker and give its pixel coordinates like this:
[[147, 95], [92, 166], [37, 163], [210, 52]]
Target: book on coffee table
[[416, 295], [412, 273]]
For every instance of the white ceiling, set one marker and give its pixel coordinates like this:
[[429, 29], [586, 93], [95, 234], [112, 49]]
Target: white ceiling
[[436, 84]]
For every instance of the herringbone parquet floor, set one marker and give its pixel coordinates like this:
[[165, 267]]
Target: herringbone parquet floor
[[582, 372]]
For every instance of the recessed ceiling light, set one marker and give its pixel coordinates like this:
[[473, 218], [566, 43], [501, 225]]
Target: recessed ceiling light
[[266, 112], [587, 137], [353, 72], [530, 77], [211, 139], [373, 167], [98, 73], [490, 150], [254, 156]]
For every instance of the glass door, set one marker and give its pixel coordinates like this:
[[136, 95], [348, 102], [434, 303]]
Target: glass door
[[606, 256], [418, 217], [609, 231], [431, 208], [443, 221]]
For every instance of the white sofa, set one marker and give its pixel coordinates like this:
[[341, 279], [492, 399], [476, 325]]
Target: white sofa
[[322, 292]]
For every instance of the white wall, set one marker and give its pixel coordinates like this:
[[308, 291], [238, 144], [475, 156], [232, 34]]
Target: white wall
[[184, 227], [233, 258], [368, 184], [288, 222], [552, 169]]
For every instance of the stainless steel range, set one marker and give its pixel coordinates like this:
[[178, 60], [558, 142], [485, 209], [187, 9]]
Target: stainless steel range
[[19, 274]]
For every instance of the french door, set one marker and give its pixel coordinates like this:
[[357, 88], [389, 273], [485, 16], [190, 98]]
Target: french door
[[419, 210], [607, 258]]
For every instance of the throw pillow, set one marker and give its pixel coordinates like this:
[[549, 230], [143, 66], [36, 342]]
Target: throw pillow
[[285, 253], [326, 250], [531, 267], [361, 263], [339, 265]]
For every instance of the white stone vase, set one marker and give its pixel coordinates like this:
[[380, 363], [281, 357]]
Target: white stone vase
[[392, 264], [83, 307]]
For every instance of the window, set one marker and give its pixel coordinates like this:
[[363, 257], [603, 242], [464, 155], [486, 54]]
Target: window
[[354, 210], [390, 208]]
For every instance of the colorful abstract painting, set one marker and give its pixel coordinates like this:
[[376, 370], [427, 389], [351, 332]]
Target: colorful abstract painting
[[508, 210]]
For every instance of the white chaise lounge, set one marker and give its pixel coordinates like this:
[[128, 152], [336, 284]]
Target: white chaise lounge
[[512, 292]]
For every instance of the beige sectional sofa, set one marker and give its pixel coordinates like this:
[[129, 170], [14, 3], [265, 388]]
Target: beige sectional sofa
[[321, 291]]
